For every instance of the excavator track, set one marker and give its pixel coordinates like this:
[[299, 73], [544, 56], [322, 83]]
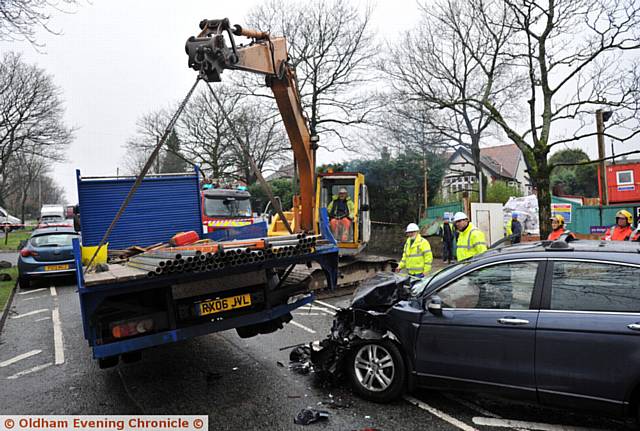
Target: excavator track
[[351, 271]]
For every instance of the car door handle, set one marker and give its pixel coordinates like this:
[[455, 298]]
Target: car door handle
[[512, 321], [634, 326]]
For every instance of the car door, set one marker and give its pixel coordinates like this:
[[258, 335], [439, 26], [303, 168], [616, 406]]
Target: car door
[[485, 335], [588, 336]]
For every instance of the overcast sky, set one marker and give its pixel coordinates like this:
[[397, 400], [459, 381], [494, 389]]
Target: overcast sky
[[117, 60]]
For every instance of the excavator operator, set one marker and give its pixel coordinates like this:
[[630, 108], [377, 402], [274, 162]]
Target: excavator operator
[[341, 214]]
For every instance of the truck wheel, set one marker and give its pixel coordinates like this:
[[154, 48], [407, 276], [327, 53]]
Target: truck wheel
[[24, 283], [108, 362], [377, 371]]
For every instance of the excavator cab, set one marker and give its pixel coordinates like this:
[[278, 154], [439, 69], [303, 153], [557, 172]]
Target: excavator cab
[[349, 219]]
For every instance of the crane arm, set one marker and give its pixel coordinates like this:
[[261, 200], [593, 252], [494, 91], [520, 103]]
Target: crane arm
[[210, 55]]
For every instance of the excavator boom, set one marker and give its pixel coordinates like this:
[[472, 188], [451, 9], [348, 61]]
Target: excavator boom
[[210, 55]]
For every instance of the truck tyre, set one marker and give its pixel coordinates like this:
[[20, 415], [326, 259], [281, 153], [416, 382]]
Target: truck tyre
[[108, 362], [377, 370]]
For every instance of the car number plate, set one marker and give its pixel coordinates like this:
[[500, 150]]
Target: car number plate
[[56, 267], [224, 304]]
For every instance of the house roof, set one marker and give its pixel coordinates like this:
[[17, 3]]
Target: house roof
[[505, 157], [502, 160]]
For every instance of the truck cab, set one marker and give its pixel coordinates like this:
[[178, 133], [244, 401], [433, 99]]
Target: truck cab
[[225, 208]]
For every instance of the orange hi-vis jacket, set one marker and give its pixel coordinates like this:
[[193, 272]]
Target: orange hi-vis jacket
[[617, 233]]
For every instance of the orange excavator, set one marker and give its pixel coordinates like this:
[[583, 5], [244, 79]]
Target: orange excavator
[[212, 51]]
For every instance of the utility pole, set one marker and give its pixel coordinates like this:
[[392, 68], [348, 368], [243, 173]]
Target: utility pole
[[601, 117], [426, 189]]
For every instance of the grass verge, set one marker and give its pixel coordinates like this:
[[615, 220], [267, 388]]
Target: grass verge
[[6, 286], [14, 239]]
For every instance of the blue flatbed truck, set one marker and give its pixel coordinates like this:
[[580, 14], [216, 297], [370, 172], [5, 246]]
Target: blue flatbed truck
[[125, 311]]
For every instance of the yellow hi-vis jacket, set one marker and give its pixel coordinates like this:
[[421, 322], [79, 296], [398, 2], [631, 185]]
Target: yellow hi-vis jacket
[[507, 228], [416, 256], [470, 243]]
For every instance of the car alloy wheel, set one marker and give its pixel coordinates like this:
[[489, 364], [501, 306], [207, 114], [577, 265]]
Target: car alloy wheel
[[374, 367]]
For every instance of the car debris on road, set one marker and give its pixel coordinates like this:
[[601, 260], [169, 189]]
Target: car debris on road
[[310, 415]]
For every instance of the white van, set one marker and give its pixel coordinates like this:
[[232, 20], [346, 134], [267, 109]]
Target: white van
[[52, 214]]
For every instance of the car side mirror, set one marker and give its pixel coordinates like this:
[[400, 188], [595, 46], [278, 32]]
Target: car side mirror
[[434, 305], [364, 207]]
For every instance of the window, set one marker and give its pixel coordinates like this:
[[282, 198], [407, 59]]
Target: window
[[624, 178], [587, 286], [227, 207], [503, 286], [53, 240]]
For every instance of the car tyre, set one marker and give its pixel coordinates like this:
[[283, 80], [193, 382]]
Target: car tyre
[[377, 370], [24, 283]]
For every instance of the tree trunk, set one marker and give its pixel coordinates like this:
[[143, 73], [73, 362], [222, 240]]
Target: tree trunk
[[543, 192]]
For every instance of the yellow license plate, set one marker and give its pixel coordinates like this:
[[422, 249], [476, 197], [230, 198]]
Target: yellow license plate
[[56, 267], [224, 304]]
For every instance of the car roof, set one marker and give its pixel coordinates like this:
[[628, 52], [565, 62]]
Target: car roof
[[55, 229], [583, 249]]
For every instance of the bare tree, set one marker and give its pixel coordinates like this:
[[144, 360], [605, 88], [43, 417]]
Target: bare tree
[[21, 19], [31, 115], [26, 168], [448, 59], [331, 47], [575, 58], [149, 130]]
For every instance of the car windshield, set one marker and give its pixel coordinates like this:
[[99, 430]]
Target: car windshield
[[419, 287], [53, 240], [51, 219], [227, 207]]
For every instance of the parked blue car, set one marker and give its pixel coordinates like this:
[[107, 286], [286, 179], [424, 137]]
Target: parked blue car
[[47, 253], [547, 322]]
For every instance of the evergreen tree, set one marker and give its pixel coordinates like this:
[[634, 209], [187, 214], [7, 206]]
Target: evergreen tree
[[173, 160]]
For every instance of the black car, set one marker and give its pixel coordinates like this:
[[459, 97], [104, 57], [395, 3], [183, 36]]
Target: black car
[[47, 253], [547, 322]]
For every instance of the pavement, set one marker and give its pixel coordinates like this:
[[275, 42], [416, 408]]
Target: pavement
[[46, 368]]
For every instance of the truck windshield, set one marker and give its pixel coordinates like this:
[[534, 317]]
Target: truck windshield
[[227, 207]]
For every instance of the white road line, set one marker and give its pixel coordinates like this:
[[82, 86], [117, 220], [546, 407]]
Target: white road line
[[53, 291], [509, 423], [309, 314], [326, 304], [324, 310], [33, 297], [57, 337], [302, 327], [442, 415], [473, 406], [30, 313], [28, 292], [19, 358], [44, 318], [29, 371]]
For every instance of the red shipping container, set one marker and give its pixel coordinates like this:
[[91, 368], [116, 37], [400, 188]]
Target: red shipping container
[[623, 183], [184, 238]]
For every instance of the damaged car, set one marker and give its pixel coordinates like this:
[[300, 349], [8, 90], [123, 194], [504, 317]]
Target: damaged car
[[545, 322]]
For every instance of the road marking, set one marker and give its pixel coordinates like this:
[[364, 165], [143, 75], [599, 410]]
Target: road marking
[[44, 318], [472, 406], [309, 314], [53, 291], [30, 313], [442, 415], [326, 304], [33, 297], [29, 292], [30, 370], [509, 423], [312, 308], [302, 327], [57, 337], [19, 358]]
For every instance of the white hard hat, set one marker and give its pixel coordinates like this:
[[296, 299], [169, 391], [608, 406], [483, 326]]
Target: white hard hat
[[459, 216], [343, 190], [412, 227]]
